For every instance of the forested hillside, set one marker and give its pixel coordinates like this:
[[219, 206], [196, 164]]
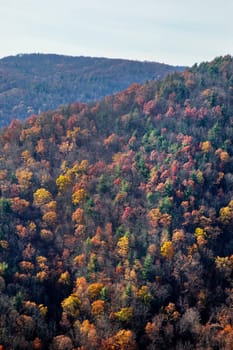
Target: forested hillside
[[116, 219], [32, 83]]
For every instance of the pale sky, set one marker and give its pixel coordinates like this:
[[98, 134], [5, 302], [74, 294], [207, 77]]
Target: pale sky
[[178, 32]]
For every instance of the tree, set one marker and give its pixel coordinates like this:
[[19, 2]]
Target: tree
[[226, 214], [123, 340], [123, 246], [46, 235], [97, 307], [19, 205], [144, 295], [167, 250], [78, 216], [147, 268], [125, 314], [50, 218], [5, 207], [63, 182], [64, 278], [206, 147], [89, 336], [24, 177], [41, 197], [79, 196], [71, 305], [62, 342], [94, 289]]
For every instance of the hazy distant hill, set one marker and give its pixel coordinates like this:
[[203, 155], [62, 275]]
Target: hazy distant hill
[[31, 83]]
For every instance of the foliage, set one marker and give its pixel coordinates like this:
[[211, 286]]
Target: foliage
[[116, 219], [167, 249], [79, 196], [41, 197], [37, 82], [124, 314], [71, 305]]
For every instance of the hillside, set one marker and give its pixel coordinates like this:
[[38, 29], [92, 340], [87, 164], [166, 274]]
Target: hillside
[[116, 219], [32, 83]]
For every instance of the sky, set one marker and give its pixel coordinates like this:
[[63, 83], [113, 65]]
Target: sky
[[177, 32]]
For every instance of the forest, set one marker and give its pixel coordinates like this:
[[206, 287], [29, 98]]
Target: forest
[[33, 83], [116, 219]]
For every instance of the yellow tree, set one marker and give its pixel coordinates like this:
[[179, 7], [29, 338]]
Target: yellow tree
[[206, 146], [123, 340], [226, 214], [70, 305], [79, 196], [201, 236], [94, 289], [125, 314], [64, 278], [167, 250], [63, 182], [123, 246], [41, 197]]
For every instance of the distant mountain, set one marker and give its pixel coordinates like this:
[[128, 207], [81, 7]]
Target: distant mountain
[[31, 83]]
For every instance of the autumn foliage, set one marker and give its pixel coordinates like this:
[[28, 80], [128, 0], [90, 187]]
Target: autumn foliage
[[116, 219]]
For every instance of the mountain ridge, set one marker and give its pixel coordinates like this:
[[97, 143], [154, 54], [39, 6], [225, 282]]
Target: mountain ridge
[[116, 219], [30, 83]]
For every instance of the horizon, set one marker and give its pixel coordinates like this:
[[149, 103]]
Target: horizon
[[20, 54], [110, 58]]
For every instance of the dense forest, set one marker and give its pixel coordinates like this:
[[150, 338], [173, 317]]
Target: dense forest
[[116, 219], [32, 83]]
